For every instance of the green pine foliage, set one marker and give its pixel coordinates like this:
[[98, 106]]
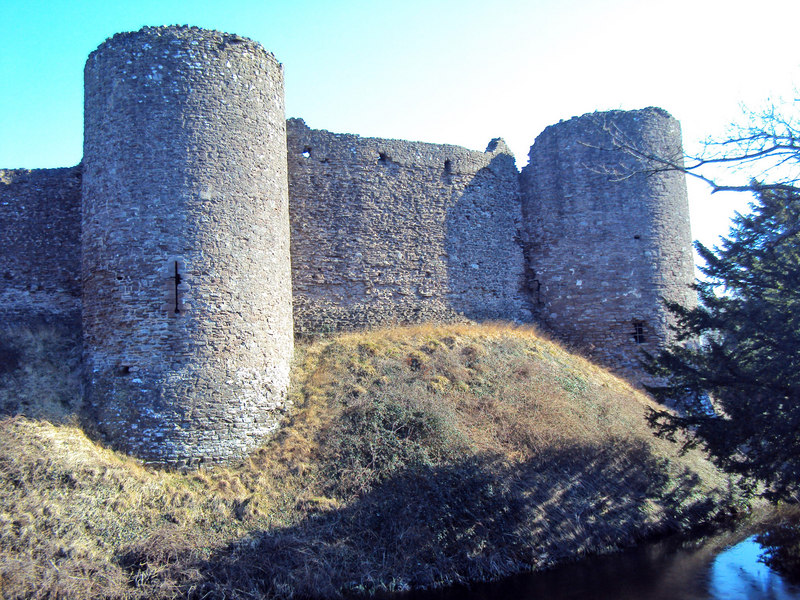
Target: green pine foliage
[[736, 366]]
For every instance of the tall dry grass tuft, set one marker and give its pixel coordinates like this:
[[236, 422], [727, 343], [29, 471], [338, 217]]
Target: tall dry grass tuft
[[415, 456]]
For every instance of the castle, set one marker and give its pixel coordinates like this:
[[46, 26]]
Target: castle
[[202, 232]]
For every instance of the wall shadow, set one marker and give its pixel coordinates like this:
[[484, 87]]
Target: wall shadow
[[486, 267]]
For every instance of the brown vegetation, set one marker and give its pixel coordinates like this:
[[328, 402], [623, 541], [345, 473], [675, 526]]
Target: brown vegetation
[[416, 456]]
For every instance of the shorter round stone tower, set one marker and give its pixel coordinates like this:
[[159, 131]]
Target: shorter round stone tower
[[608, 237], [187, 306]]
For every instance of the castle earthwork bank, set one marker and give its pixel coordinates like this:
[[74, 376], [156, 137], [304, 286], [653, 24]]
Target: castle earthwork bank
[[202, 232]]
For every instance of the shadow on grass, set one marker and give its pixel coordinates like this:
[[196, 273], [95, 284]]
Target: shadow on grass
[[477, 519], [40, 366]]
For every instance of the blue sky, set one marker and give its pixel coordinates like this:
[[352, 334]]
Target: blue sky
[[459, 72]]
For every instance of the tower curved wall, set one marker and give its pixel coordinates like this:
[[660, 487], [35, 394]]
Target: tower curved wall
[[187, 311], [607, 237]]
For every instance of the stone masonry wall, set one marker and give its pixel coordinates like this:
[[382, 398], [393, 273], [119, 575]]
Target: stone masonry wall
[[388, 231], [186, 276], [607, 238], [40, 252], [40, 259]]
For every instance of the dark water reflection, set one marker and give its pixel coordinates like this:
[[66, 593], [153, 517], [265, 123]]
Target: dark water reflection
[[722, 568]]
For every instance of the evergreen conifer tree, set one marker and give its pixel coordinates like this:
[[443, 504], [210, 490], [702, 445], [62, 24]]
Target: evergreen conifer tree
[[736, 367]]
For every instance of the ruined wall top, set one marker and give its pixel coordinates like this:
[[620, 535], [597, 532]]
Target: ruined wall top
[[182, 36]]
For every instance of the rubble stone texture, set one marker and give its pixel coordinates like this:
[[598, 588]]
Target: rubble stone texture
[[40, 247], [186, 280], [607, 239], [388, 231], [191, 283]]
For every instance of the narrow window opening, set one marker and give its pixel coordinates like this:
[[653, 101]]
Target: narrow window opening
[[382, 157], [177, 283], [535, 287], [448, 167], [638, 332], [124, 370], [307, 152]]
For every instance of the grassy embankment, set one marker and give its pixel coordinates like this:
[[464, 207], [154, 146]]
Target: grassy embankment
[[416, 457]]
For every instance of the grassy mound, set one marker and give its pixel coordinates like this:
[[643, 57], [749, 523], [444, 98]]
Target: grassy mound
[[415, 457]]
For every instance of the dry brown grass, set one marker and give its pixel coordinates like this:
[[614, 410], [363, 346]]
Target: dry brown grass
[[416, 456]]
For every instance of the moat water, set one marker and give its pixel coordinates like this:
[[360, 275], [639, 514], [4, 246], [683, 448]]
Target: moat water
[[726, 567]]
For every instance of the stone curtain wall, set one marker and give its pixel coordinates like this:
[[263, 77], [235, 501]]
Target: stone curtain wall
[[169, 247], [40, 259], [388, 231], [604, 249], [186, 275], [40, 252]]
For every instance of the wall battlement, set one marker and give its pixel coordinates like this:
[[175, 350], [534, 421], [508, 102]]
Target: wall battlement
[[202, 229]]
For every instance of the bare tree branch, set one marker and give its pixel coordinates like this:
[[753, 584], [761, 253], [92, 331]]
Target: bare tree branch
[[766, 152]]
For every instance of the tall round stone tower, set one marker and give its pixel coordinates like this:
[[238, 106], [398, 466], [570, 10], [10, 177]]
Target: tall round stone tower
[[187, 308], [608, 236]]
